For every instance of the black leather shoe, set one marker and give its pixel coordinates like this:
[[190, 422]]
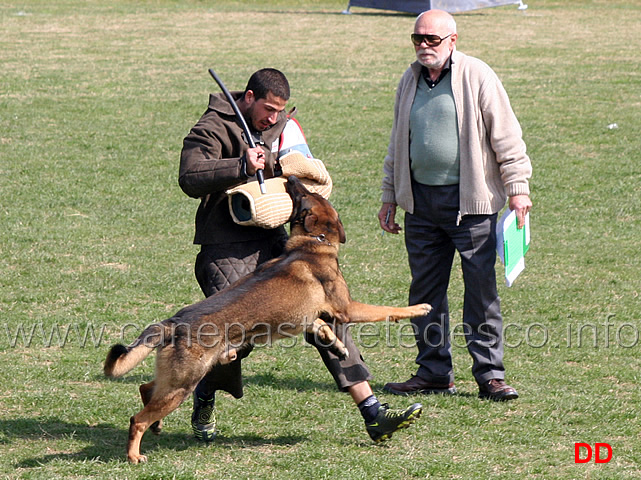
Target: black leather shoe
[[497, 390], [417, 385]]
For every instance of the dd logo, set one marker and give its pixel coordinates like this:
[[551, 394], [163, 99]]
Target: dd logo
[[588, 453]]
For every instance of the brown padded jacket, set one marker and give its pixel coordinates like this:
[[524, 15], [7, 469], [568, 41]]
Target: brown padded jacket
[[211, 162]]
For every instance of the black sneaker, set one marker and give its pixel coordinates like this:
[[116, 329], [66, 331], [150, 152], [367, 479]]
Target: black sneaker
[[203, 420], [389, 421]]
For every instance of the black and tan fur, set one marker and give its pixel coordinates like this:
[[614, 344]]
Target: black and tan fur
[[283, 297]]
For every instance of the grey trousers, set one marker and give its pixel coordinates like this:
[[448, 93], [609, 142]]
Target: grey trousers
[[431, 237]]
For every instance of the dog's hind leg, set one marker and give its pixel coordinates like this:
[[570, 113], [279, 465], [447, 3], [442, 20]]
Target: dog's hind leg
[[146, 392], [158, 407]]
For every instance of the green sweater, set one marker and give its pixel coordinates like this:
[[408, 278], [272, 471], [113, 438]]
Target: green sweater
[[494, 164], [434, 147]]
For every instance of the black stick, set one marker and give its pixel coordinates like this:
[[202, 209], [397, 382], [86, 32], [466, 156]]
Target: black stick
[[259, 173]]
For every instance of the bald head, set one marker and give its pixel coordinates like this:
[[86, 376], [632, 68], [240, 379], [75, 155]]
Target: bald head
[[434, 39], [436, 20]]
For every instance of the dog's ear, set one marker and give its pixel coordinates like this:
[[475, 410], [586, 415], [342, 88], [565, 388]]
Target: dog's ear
[[341, 232], [310, 222]]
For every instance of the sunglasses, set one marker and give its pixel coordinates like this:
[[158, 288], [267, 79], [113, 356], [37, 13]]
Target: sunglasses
[[430, 39]]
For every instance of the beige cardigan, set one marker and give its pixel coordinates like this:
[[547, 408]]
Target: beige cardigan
[[494, 164]]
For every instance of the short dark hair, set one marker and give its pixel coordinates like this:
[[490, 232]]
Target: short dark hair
[[268, 80]]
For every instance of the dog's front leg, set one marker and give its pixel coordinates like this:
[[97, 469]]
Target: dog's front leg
[[326, 337], [362, 312]]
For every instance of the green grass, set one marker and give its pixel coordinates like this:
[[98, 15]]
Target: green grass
[[95, 99]]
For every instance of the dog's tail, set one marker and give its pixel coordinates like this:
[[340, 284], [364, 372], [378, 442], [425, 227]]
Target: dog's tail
[[122, 359]]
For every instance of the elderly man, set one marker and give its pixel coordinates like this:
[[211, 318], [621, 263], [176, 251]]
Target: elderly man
[[455, 155]]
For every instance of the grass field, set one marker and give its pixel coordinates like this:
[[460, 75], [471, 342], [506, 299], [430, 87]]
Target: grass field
[[95, 238]]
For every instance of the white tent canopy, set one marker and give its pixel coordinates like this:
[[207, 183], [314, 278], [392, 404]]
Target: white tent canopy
[[419, 6]]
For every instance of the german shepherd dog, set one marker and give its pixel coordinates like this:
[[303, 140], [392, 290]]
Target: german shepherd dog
[[285, 296]]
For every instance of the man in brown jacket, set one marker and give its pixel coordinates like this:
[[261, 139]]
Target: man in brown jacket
[[214, 158]]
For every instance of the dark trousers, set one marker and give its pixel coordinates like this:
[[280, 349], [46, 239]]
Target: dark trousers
[[217, 266], [431, 237]]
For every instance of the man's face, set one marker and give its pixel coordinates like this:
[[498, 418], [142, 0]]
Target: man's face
[[434, 57], [263, 113]]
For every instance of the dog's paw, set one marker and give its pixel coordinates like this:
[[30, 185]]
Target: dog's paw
[[421, 309], [342, 353], [339, 349], [135, 459]]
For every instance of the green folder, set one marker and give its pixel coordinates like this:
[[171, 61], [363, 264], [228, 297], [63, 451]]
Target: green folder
[[512, 244]]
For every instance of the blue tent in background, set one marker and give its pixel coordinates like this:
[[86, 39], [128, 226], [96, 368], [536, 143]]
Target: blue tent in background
[[418, 6]]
